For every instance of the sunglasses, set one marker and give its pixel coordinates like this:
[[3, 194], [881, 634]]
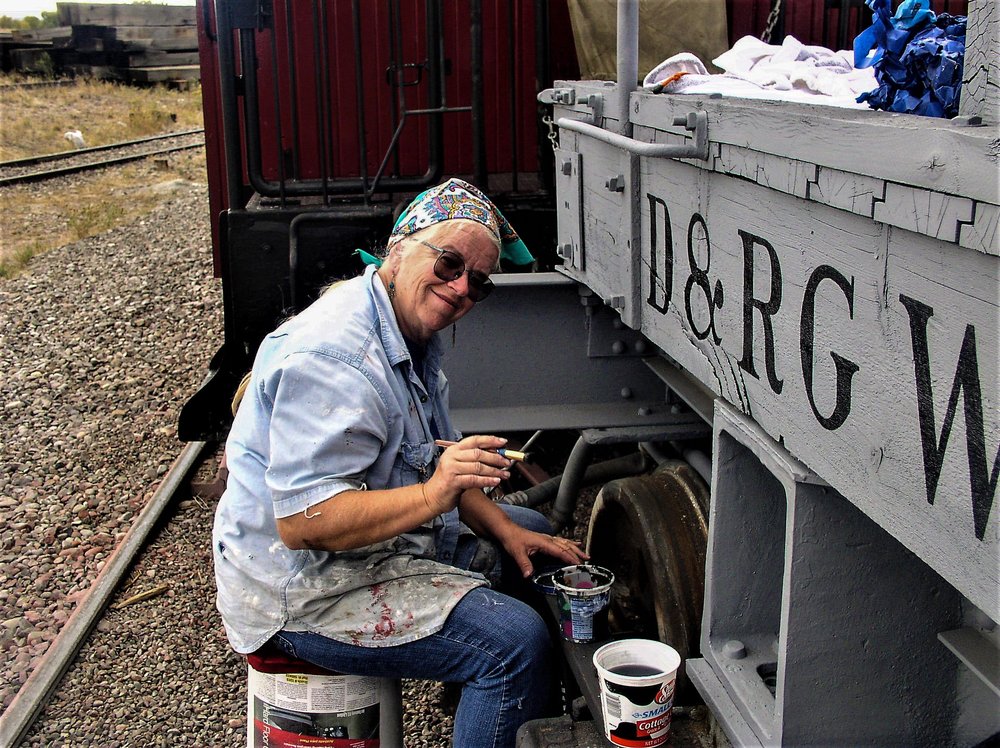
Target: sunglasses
[[449, 266]]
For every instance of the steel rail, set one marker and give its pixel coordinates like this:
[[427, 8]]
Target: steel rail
[[22, 712], [38, 176], [30, 160], [38, 84]]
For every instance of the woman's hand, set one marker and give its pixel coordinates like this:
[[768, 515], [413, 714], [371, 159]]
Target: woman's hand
[[470, 463], [522, 544]]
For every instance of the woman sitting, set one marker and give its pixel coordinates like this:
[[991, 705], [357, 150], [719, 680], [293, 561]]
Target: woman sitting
[[344, 537]]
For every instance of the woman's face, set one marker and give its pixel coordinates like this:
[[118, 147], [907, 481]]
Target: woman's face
[[423, 302]]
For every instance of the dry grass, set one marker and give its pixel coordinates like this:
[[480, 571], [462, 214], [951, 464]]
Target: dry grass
[[38, 217], [33, 120]]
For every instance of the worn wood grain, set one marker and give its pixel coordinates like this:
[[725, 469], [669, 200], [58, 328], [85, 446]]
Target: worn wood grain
[[808, 318], [923, 152]]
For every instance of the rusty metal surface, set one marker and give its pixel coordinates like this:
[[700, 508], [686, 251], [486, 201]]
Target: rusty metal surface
[[652, 532]]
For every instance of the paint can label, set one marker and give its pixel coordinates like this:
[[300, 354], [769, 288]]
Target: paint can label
[[638, 720], [300, 710]]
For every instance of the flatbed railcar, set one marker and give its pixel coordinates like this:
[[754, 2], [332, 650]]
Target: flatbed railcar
[[790, 308]]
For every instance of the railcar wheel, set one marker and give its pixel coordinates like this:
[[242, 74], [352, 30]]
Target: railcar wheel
[[652, 532]]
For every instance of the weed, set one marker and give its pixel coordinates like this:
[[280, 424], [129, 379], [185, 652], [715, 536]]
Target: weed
[[11, 266], [32, 122], [24, 254], [94, 218]]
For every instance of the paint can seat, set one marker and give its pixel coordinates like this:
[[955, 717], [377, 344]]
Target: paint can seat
[[288, 698]]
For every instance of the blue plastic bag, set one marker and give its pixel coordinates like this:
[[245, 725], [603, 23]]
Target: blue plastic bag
[[917, 56]]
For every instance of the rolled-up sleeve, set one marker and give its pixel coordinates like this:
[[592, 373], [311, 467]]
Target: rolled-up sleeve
[[327, 427]]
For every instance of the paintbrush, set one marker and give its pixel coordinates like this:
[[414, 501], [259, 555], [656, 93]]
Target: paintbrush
[[510, 454]]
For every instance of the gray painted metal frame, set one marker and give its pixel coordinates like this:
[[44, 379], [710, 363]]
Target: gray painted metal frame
[[819, 625], [543, 353]]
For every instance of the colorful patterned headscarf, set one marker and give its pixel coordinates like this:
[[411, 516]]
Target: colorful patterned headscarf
[[458, 199]]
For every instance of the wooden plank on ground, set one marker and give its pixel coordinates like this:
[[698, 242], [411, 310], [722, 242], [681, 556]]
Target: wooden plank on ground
[[149, 59], [41, 35], [159, 33], [120, 14], [161, 74]]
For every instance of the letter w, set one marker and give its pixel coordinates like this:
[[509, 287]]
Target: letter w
[[983, 480]]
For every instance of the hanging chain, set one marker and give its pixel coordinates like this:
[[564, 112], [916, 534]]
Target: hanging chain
[[553, 137], [772, 21]]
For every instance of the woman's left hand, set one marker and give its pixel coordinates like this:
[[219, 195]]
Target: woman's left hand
[[522, 544]]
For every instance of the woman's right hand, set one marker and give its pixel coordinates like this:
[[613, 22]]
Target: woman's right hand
[[470, 463]]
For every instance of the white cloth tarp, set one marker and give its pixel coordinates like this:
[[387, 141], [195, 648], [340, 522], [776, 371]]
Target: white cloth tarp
[[790, 71]]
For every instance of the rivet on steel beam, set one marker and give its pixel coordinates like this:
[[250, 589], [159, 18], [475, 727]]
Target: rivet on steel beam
[[734, 649]]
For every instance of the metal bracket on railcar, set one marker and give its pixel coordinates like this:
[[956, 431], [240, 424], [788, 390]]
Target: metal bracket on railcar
[[696, 122]]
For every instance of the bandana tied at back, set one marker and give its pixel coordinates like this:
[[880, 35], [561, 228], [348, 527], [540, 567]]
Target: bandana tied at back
[[458, 199]]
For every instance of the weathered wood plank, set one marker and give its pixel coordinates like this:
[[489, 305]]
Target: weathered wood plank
[[829, 179], [981, 72], [152, 58], [122, 32], [41, 35], [842, 336], [160, 74], [851, 192], [983, 233], [125, 14], [925, 212], [156, 37], [786, 175], [609, 268], [924, 152]]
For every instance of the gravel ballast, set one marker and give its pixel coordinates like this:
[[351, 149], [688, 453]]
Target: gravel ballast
[[101, 342]]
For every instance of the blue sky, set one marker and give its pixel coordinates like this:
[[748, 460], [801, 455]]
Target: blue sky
[[22, 8]]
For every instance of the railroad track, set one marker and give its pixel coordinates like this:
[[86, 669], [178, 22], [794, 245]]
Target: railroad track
[[62, 83], [52, 165], [22, 713]]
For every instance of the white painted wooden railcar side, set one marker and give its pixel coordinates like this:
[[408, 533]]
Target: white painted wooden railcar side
[[832, 277]]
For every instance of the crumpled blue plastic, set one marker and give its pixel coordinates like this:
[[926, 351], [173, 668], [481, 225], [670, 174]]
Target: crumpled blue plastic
[[917, 56]]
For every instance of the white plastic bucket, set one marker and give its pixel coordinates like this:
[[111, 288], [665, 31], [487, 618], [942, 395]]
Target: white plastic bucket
[[298, 709], [637, 691]]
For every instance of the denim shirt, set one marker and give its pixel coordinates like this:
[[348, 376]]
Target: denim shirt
[[334, 405]]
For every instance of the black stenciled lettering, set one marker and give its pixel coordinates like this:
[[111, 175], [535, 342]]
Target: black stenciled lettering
[[660, 282], [699, 277], [767, 309], [846, 369], [983, 481]]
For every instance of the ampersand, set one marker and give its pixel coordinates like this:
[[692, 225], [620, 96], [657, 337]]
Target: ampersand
[[699, 277]]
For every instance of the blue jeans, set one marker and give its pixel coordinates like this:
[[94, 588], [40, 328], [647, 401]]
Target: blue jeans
[[495, 645]]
